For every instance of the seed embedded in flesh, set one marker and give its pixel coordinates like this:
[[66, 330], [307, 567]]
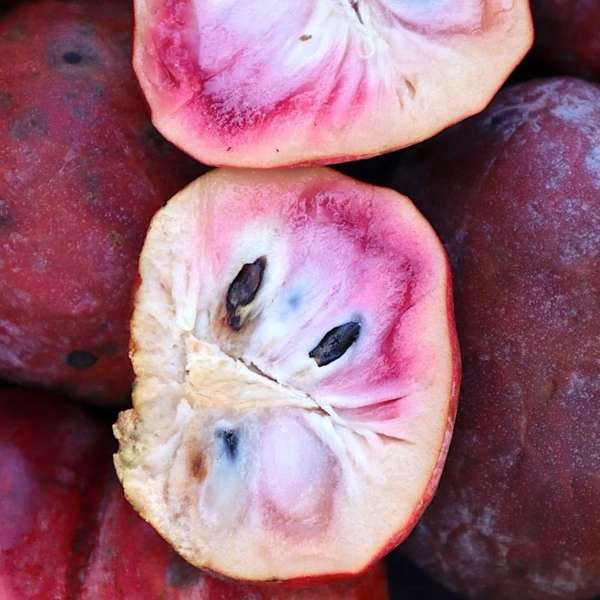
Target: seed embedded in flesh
[[229, 443], [335, 343], [243, 290]]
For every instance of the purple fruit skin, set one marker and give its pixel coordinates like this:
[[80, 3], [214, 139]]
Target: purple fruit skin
[[517, 204]]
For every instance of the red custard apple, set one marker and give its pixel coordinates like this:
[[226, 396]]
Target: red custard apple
[[67, 532], [517, 204], [82, 171], [255, 84], [296, 373]]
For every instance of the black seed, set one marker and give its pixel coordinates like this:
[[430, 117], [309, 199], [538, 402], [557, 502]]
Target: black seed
[[230, 442], [72, 58], [243, 290], [335, 343], [81, 359]]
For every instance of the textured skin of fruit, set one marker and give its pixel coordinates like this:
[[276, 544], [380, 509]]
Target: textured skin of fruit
[[517, 204], [300, 471], [67, 532], [567, 36], [259, 84], [82, 171]]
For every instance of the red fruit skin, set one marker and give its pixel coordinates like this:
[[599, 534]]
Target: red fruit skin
[[53, 468], [82, 171], [567, 36], [67, 532], [517, 205]]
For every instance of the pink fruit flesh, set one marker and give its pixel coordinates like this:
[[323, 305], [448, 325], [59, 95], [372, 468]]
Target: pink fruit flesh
[[82, 171], [261, 84], [247, 455], [67, 532]]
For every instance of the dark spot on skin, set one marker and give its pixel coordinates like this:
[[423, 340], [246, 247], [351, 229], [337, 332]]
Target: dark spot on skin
[[335, 343], [243, 290], [5, 214], [81, 359], [228, 149], [73, 54], [229, 443], [72, 58], [115, 238], [181, 574], [30, 124], [521, 572], [6, 101]]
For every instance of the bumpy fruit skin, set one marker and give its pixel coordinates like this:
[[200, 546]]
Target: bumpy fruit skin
[[254, 83], [67, 532], [517, 205], [82, 171], [568, 36]]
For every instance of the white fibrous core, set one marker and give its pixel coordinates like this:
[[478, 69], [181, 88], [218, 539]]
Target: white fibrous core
[[295, 373]]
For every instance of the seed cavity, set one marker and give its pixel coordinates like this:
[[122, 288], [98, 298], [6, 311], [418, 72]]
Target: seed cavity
[[243, 290], [335, 343], [81, 359], [229, 441]]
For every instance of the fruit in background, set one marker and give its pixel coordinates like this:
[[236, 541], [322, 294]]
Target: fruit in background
[[259, 84], [517, 204], [296, 373], [82, 171], [54, 463], [567, 36], [67, 532]]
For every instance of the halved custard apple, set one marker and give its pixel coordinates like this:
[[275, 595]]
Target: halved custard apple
[[297, 372], [263, 84]]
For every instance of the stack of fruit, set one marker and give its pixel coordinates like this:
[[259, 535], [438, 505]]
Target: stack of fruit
[[281, 338]]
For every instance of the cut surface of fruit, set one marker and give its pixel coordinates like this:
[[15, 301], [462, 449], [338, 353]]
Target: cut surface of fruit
[[296, 373], [67, 532], [259, 84]]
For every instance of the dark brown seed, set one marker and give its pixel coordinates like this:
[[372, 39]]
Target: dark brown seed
[[335, 343], [243, 290]]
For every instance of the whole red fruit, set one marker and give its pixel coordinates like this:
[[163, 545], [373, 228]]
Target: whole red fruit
[[82, 171], [517, 204]]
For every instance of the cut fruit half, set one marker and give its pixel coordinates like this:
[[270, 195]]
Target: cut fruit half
[[296, 373], [264, 84]]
